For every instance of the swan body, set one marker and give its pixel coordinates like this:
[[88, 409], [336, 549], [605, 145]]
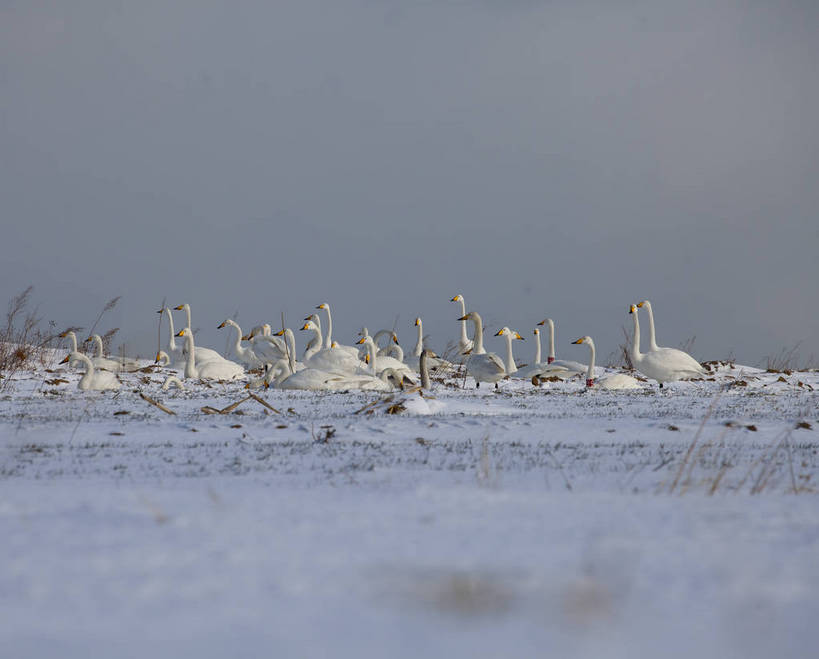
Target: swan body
[[328, 338], [214, 369], [572, 368], [614, 382], [202, 354], [332, 360], [379, 364], [245, 355], [481, 365], [433, 361], [680, 357], [663, 364], [540, 369], [465, 344], [111, 363], [92, 379]]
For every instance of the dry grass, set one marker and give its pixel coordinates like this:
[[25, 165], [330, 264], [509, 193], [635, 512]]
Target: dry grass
[[23, 341]]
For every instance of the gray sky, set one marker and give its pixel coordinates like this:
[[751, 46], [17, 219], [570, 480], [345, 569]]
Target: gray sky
[[542, 158]]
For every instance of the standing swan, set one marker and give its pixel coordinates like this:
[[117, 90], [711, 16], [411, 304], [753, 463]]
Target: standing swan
[[611, 382], [511, 368], [464, 343], [664, 364], [92, 379], [481, 365]]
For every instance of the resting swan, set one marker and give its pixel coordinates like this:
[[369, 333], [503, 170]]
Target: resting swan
[[245, 355], [215, 369], [538, 368], [328, 338], [380, 363], [111, 363], [681, 355], [92, 379], [433, 361], [663, 364], [332, 360], [202, 354], [613, 382], [572, 368], [464, 343], [481, 365]]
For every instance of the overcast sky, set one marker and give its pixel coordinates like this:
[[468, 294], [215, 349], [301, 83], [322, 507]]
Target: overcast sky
[[542, 158]]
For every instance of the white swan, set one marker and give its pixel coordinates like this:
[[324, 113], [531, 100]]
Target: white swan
[[214, 369], [380, 363], [481, 365], [328, 338], [434, 362], [92, 379], [539, 368], [110, 363], [332, 360], [174, 381], [680, 355], [202, 354], [663, 364], [509, 335], [176, 353], [572, 367], [245, 355], [464, 343], [614, 382]]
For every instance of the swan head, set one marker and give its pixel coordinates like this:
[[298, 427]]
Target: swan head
[[504, 331], [279, 333], [324, 306], [633, 308], [547, 321], [182, 332], [395, 338], [334, 344], [363, 332], [65, 361], [417, 322], [363, 339], [644, 303], [181, 307], [309, 325], [536, 332], [457, 298], [312, 316], [222, 324], [65, 334], [584, 339]]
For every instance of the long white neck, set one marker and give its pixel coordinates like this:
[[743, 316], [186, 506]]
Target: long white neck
[[510, 358], [187, 309], [551, 357], [419, 344], [590, 371], [634, 353], [85, 380], [73, 339], [477, 345], [372, 353], [328, 338], [464, 337], [422, 365], [190, 364], [397, 352], [171, 337], [652, 341], [237, 347], [537, 347], [291, 346], [315, 343], [98, 343]]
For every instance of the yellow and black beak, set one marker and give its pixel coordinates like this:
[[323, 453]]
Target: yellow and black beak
[[279, 333], [361, 340], [305, 326], [463, 318], [500, 332], [367, 358], [417, 322], [394, 339], [640, 304], [580, 340], [542, 322], [179, 308], [321, 306], [180, 333], [518, 336], [67, 357], [632, 309], [455, 299], [221, 325]]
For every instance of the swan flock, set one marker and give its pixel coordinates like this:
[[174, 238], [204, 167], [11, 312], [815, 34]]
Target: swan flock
[[378, 362]]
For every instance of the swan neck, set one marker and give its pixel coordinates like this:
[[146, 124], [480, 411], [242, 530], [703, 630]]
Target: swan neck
[[652, 341], [464, 338], [190, 364], [188, 315], [634, 353], [371, 352], [510, 358], [478, 340], [328, 338], [551, 356], [314, 345], [73, 338], [171, 339], [98, 344], [419, 345], [240, 351], [537, 348], [590, 371], [291, 346], [425, 383]]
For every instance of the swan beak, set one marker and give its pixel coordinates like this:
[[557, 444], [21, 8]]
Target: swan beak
[[180, 333], [542, 322], [179, 308], [518, 336], [578, 341], [222, 325], [305, 327], [367, 358], [467, 352], [321, 306], [417, 322], [156, 361], [457, 298], [640, 304], [500, 332], [246, 337], [632, 309], [361, 340], [161, 311], [279, 333], [67, 357], [63, 335], [394, 339], [463, 318], [247, 386]]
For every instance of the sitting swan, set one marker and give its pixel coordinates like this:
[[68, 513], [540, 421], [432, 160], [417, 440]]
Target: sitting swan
[[174, 381], [380, 363], [111, 363], [613, 382], [245, 355], [538, 368], [663, 364], [92, 379], [571, 367], [328, 338], [202, 354], [214, 369], [333, 360], [679, 356], [481, 365]]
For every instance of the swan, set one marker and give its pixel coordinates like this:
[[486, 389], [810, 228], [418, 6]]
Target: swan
[[214, 369], [162, 359], [538, 368], [464, 343], [663, 364], [202, 354], [379, 363], [332, 360], [290, 342], [111, 363], [267, 348], [433, 361], [613, 382], [680, 355], [176, 352], [245, 355], [481, 365], [174, 381], [572, 367], [511, 368], [328, 338], [72, 338], [92, 379], [421, 403]]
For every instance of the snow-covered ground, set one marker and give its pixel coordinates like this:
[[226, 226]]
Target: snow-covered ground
[[525, 522]]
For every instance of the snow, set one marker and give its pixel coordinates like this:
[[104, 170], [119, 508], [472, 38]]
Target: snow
[[523, 522]]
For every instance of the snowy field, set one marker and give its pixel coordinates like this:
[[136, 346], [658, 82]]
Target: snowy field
[[525, 522]]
